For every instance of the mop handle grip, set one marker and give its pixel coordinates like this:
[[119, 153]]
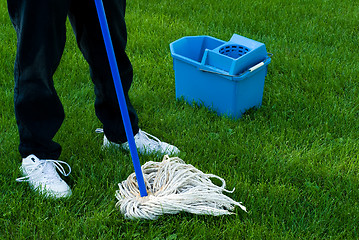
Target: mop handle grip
[[120, 96]]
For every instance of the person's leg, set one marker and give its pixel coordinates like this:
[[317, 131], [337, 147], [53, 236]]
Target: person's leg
[[84, 20], [40, 27]]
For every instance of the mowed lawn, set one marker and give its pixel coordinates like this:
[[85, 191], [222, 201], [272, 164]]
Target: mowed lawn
[[293, 162]]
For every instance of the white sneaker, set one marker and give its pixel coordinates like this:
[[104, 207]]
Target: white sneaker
[[145, 143], [43, 177]]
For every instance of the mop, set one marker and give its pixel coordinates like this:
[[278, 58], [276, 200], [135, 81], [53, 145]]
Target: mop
[[166, 187]]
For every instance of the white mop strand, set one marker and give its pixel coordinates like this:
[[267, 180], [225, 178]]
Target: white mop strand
[[172, 187]]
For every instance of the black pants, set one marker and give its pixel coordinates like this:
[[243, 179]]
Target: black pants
[[41, 33]]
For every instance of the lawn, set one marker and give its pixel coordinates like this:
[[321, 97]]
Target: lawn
[[293, 162]]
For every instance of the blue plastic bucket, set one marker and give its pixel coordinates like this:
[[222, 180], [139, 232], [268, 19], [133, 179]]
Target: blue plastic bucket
[[227, 77]]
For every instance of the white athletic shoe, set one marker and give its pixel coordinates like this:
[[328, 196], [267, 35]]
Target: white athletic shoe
[[43, 177], [145, 143]]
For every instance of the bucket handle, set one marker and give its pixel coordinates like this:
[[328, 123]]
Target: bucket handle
[[252, 69]]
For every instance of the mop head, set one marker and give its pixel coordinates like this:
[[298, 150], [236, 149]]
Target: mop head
[[173, 187]]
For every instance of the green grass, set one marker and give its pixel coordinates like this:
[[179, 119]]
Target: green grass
[[293, 162]]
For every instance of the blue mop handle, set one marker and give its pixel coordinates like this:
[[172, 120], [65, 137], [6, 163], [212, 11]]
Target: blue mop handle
[[120, 96]]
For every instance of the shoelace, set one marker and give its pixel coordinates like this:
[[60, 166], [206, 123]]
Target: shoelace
[[150, 138], [57, 164], [145, 135]]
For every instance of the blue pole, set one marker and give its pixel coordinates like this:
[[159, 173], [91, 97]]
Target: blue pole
[[120, 96]]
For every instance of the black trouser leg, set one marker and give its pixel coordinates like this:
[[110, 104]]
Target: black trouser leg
[[40, 28], [41, 32], [84, 20]]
